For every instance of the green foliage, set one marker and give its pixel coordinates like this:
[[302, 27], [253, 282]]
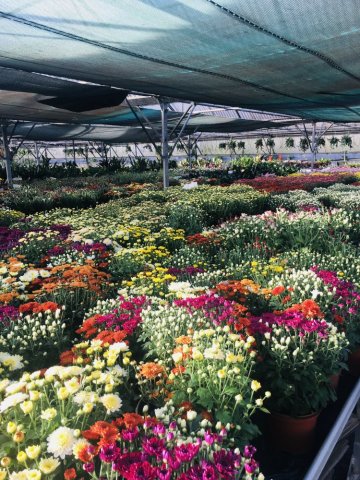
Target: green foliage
[[259, 144], [304, 144], [320, 142], [270, 143], [289, 142], [188, 217], [33, 200], [250, 167], [241, 145], [346, 141], [334, 142], [8, 217]]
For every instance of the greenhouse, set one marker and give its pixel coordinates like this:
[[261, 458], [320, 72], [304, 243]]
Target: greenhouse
[[179, 240]]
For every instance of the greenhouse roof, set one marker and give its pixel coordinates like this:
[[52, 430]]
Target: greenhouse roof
[[122, 134], [286, 56]]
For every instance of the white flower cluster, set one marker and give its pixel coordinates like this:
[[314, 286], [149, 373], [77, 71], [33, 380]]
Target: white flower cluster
[[160, 327], [304, 284], [34, 332]]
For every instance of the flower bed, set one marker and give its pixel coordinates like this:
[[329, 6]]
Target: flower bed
[[144, 337], [298, 182]]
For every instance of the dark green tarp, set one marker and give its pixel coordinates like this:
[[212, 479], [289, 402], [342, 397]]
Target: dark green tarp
[[286, 56]]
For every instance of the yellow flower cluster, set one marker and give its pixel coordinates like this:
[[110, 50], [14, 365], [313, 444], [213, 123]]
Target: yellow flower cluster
[[273, 265], [151, 253], [47, 402], [150, 282]]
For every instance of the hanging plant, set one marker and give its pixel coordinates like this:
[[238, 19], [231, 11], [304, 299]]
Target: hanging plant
[[304, 144], [346, 141], [320, 142], [241, 146], [223, 145], [334, 142], [231, 145], [259, 144], [289, 142], [148, 147], [270, 143]]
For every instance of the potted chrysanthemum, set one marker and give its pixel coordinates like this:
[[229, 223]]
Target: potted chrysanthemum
[[298, 353]]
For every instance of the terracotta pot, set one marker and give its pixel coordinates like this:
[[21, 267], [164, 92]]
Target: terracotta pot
[[334, 380], [294, 435], [354, 363]]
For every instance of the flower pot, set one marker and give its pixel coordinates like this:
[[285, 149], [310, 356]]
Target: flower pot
[[354, 363], [292, 434], [334, 380]]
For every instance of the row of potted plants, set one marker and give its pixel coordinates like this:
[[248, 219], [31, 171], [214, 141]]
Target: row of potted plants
[[159, 347]]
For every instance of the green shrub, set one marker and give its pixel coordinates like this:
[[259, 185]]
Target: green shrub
[[8, 217]]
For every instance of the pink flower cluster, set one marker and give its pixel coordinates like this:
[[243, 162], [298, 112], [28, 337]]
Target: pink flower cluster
[[127, 316], [151, 450], [290, 319], [215, 308], [186, 271]]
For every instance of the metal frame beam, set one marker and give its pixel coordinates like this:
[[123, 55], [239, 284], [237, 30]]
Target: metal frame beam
[[144, 128], [165, 142], [8, 156], [188, 112]]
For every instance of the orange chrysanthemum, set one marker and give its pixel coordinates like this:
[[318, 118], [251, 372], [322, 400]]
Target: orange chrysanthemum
[[151, 370]]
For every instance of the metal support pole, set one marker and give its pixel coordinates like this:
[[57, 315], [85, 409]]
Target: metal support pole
[[74, 156], [189, 152], [37, 158], [165, 143], [8, 157], [313, 145]]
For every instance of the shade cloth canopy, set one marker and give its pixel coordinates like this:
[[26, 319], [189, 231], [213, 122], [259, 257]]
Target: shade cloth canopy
[[284, 56]]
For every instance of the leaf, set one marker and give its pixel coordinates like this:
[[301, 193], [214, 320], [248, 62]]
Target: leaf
[[179, 397], [224, 416], [204, 398]]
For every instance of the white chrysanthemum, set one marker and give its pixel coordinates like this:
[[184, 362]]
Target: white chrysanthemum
[[71, 371], [22, 475], [29, 276], [111, 402], [119, 347], [214, 353], [117, 371], [61, 442], [13, 400], [44, 273], [48, 414], [15, 387], [4, 384], [48, 465], [53, 371], [86, 397], [14, 362], [175, 286], [72, 385]]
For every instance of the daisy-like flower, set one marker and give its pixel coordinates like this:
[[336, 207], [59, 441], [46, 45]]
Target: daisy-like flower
[[33, 474], [118, 347], [61, 442], [13, 362], [22, 475], [111, 402], [85, 397], [13, 400], [48, 414], [15, 387], [48, 465]]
